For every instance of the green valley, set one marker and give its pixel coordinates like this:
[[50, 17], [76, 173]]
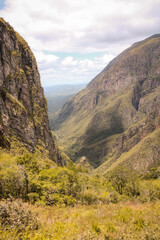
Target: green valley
[[97, 176]]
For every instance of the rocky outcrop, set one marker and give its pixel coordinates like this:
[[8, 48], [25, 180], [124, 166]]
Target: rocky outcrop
[[23, 107], [117, 110]]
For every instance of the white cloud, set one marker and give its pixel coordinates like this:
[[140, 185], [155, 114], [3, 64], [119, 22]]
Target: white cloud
[[81, 26], [69, 70], [68, 61], [49, 58]]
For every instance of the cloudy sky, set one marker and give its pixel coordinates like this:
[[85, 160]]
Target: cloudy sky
[[73, 40]]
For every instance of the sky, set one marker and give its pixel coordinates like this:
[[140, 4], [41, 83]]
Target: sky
[[73, 40]]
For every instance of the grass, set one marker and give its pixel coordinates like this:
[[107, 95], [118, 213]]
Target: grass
[[121, 221]]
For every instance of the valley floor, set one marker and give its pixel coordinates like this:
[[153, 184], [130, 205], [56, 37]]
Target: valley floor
[[98, 222]]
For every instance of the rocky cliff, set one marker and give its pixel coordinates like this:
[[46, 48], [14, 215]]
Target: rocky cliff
[[23, 107], [116, 118]]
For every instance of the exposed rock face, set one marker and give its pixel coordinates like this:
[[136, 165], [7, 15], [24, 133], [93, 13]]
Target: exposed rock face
[[23, 107], [118, 109]]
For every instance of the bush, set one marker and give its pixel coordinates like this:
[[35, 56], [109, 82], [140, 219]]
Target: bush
[[14, 215], [125, 181], [12, 178], [139, 223], [154, 173], [150, 190], [90, 197]]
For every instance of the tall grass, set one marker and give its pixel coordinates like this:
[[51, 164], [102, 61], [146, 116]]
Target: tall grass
[[112, 221]]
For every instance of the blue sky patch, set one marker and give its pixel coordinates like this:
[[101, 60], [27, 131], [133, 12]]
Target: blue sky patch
[[2, 3], [76, 55]]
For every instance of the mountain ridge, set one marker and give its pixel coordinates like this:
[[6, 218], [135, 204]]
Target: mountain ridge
[[24, 122], [124, 94]]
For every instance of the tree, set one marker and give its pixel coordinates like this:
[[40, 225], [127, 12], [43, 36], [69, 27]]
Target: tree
[[124, 180]]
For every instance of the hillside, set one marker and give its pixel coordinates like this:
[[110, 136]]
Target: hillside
[[24, 122], [116, 118]]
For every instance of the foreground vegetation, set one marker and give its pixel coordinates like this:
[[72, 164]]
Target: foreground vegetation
[[112, 221], [40, 200], [41, 181]]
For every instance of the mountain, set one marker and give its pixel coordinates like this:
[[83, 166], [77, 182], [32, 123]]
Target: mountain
[[116, 118], [24, 122]]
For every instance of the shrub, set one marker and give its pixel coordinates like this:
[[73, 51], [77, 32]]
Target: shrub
[[33, 197], [150, 190], [12, 178], [154, 173], [125, 181], [124, 214], [90, 197], [14, 215], [139, 223]]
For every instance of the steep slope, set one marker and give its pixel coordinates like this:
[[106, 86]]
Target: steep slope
[[118, 109], [23, 108]]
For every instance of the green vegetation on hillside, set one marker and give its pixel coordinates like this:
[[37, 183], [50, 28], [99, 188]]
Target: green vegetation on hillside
[[41, 181], [72, 203]]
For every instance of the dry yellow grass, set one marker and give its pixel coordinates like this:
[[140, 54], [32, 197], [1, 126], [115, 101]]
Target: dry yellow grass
[[114, 221]]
